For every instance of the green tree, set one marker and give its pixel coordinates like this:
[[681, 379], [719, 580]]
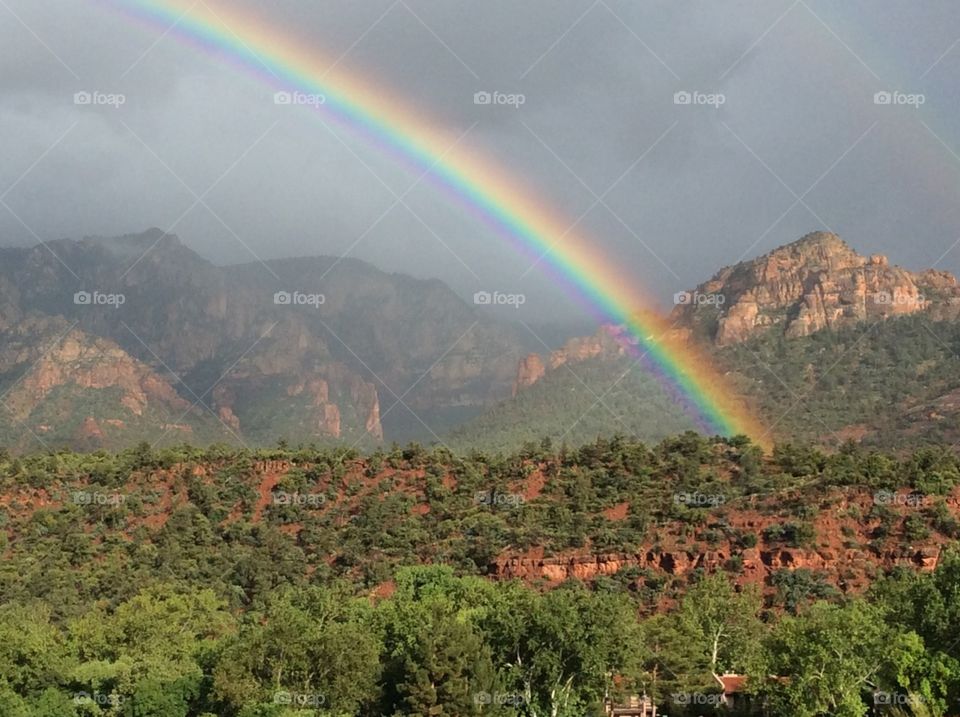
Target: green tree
[[828, 657], [316, 645]]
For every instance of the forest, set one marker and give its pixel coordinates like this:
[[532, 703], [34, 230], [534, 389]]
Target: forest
[[223, 582]]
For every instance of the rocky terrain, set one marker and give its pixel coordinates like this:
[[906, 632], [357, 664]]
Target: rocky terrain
[[844, 551], [827, 345], [68, 387], [815, 283], [307, 349], [321, 349], [849, 536]]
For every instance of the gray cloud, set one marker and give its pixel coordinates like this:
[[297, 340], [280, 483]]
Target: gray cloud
[[798, 120]]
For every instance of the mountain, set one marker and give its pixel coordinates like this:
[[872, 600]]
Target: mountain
[[815, 283], [826, 344], [61, 386], [106, 342], [309, 349]]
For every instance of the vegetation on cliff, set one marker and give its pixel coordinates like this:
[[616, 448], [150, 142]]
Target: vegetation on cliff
[[187, 582]]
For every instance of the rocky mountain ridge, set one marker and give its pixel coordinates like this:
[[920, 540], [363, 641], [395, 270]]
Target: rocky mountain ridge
[[818, 282], [305, 349], [815, 283]]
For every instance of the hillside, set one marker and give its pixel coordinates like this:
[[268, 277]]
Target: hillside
[[61, 386], [596, 396], [188, 582], [883, 373], [310, 349], [365, 357], [611, 510]]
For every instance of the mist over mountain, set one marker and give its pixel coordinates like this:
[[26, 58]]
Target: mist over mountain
[[315, 348], [111, 341]]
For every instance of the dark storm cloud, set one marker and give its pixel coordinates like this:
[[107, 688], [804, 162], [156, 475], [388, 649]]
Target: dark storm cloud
[[672, 190]]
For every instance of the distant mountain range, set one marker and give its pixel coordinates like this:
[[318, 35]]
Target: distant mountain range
[[105, 341], [108, 342]]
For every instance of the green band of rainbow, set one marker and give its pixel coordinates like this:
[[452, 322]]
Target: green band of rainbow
[[495, 197]]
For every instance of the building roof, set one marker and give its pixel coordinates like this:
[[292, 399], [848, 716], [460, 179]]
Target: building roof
[[732, 683]]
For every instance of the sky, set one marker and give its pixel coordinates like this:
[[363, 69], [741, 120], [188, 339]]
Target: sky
[[784, 134]]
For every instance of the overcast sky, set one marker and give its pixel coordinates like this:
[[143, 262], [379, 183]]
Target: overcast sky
[[798, 144]]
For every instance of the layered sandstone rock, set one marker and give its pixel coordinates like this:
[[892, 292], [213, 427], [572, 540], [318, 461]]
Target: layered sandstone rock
[[815, 283], [608, 341], [83, 362]]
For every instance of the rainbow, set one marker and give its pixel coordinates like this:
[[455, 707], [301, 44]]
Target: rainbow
[[497, 199]]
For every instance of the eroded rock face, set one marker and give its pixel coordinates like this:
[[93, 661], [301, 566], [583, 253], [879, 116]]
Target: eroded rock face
[[314, 369], [531, 370], [756, 564], [76, 389], [606, 342], [86, 362], [815, 283]]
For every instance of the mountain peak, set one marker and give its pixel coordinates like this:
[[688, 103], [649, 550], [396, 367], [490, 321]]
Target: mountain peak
[[819, 249], [820, 239], [813, 283]]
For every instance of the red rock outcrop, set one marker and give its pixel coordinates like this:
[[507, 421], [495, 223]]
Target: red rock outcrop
[[530, 370], [85, 362], [608, 341], [812, 284]]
